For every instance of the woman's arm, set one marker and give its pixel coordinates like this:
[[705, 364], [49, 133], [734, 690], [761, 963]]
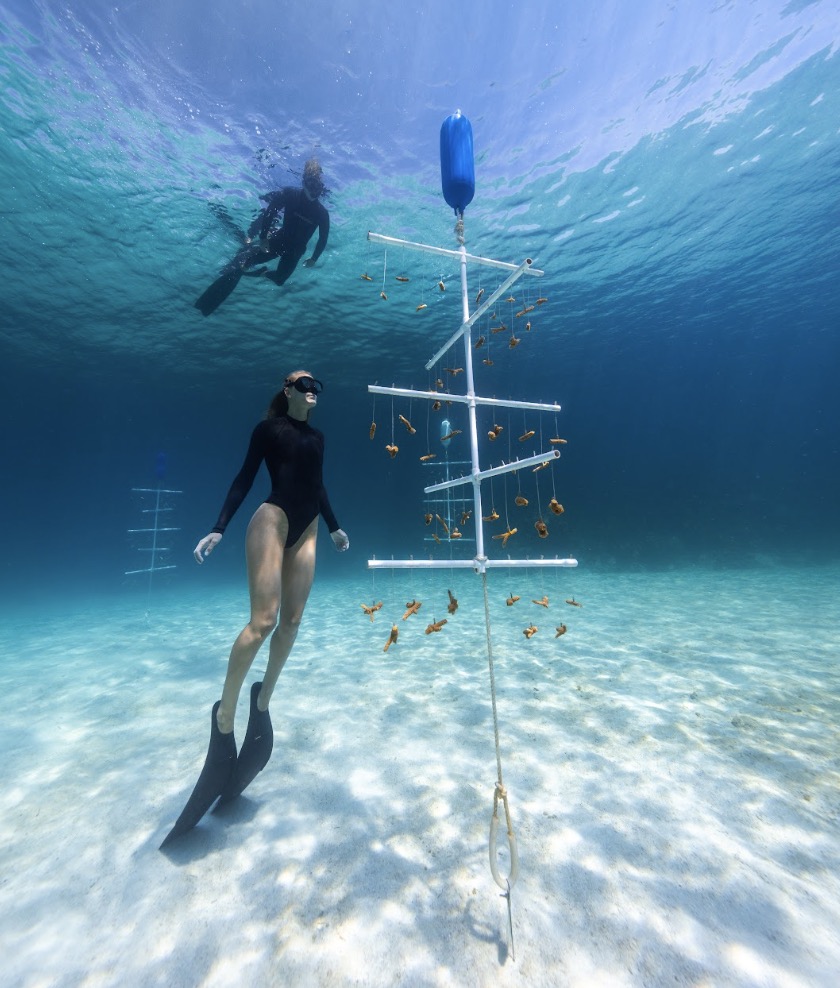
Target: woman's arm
[[323, 234], [274, 202], [242, 483], [244, 480]]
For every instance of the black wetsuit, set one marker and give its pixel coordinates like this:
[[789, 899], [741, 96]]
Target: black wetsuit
[[294, 453], [302, 216]]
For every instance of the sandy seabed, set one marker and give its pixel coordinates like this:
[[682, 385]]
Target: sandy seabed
[[673, 764]]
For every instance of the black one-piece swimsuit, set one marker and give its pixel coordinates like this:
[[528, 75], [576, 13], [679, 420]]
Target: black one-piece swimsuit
[[294, 454]]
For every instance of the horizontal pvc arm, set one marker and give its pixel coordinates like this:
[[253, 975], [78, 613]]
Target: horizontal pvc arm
[[153, 530], [476, 564], [154, 490], [494, 471], [534, 406], [455, 255], [152, 569]]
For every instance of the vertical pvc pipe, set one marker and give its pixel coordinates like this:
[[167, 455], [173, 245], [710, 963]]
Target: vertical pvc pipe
[[468, 367]]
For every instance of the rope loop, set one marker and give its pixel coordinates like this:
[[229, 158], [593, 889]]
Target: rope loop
[[500, 793]]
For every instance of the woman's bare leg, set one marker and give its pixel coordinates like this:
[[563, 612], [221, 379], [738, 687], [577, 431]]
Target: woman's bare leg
[[264, 552], [296, 582]]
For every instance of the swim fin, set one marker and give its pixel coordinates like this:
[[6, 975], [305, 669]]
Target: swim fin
[[218, 291], [219, 766], [255, 751]]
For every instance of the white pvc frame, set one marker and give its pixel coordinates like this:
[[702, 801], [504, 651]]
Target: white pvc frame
[[480, 563]]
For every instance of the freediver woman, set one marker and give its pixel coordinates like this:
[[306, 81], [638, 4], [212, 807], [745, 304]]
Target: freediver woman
[[280, 553], [303, 213]]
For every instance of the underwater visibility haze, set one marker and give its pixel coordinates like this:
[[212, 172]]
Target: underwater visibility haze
[[672, 170], [668, 709]]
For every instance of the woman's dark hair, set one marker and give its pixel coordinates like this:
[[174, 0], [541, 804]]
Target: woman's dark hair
[[279, 404]]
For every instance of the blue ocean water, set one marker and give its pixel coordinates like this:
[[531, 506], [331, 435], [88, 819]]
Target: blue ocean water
[[673, 172], [672, 759]]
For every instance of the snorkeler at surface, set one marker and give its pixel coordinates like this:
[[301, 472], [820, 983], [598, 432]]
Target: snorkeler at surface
[[303, 213], [280, 554]]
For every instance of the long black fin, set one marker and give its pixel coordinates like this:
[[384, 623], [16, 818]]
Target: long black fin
[[218, 292], [219, 766], [255, 752]]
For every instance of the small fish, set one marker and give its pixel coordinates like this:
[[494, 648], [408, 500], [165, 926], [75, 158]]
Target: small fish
[[514, 341], [493, 516], [441, 286], [395, 634], [407, 424], [506, 535], [541, 466], [479, 342], [451, 435], [439, 384], [498, 329], [487, 362], [525, 311], [556, 507], [530, 631], [366, 277], [574, 603], [392, 451], [372, 429], [453, 603], [435, 406], [422, 305], [455, 534], [528, 327], [556, 441], [400, 277], [526, 435], [436, 626], [510, 298], [412, 607], [465, 517], [454, 371], [383, 295], [510, 601], [561, 630], [521, 501], [478, 297], [541, 603], [427, 457], [428, 518], [370, 611], [542, 529], [445, 526], [541, 301]]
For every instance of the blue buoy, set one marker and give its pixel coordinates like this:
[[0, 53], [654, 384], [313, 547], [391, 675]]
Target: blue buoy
[[457, 169]]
